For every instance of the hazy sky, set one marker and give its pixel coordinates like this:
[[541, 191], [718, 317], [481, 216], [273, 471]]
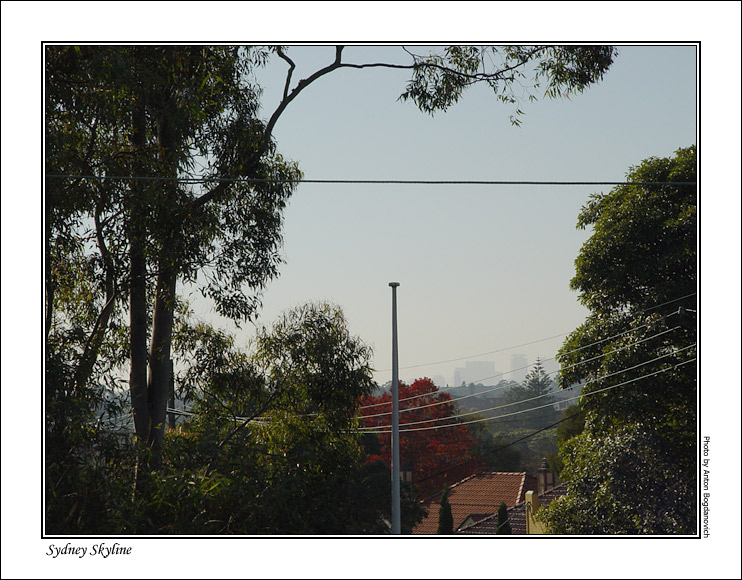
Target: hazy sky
[[482, 268]]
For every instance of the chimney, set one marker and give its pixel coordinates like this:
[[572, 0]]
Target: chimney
[[544, 478], [406, 471]]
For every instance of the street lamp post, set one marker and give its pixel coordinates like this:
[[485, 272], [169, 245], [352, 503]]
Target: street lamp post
[[396, 515]]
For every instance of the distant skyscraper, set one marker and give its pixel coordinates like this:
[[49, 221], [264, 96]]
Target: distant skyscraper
[[475, 372], [480, 371], [518, 370]]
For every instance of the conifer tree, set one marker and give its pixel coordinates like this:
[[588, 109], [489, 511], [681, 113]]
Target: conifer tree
[[445, 516], [503, 520], [538, 382]]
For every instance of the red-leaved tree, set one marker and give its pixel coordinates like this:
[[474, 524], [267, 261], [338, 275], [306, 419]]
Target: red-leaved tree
[[432, 442]]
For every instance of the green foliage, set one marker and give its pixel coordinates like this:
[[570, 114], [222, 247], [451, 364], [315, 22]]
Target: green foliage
[[631, 470], [538, 383], [643, 248], [301, 460], [88, 464], [445, 516], [118, 248], [534, 394], [493, 451], [439, 80], [572, 425], [310, 349], [530, 448], [202, 96], [637, 479], [259, 456]]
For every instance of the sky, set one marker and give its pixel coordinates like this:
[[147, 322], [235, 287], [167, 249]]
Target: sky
[[482, 268]]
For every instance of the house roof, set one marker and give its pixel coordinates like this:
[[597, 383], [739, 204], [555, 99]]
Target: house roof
[[476, 496], [516, 515]]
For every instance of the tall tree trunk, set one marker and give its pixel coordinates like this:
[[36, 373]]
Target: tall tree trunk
[[138, 347], [158, 384], [138, 292]]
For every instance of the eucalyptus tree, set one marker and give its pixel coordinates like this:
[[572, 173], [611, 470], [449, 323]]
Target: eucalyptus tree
[[128, 125], [159, 111], [271, 448]]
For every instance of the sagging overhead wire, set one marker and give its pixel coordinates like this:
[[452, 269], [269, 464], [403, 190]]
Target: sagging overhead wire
[[478, 355], [480, 411], [526, 367], [546, 360], [197, 180], [536, 408], [544, 340], [377, 431], [381, 429], [496, 449], [263, 421]]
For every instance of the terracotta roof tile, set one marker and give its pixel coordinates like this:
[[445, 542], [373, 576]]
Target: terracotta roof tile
[[516, 515], [488, 525], [476, 495]]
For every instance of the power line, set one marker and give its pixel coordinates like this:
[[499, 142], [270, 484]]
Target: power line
[[523, 368], [495, 450], [481, 354], [540, 396], [668, 302], [196, 180], [262, 421], [544, 340], [371, 429], [534, 433], [565, 400], [374, 429]]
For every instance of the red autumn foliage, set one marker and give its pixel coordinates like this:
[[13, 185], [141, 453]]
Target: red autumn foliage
[[438, 457]]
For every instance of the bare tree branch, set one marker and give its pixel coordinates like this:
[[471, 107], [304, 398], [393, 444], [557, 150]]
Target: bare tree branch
[[220, 189], [292, 66]]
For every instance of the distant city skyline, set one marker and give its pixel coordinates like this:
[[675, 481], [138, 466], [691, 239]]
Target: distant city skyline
[[475, 372], [516, 365]]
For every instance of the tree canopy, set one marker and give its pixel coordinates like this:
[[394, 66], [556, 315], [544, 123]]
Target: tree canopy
[[432, 444], [161, 172], [125, 126], [633, 467], [253, 455], [533, 394]]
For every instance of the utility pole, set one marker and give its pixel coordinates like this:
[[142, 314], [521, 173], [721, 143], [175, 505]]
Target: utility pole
[[396, 514]]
